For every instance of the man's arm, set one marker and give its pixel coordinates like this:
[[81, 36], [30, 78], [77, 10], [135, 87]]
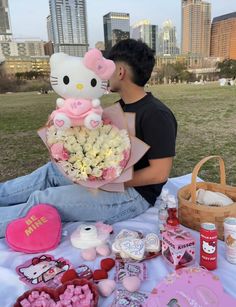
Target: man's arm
[[157, 172]]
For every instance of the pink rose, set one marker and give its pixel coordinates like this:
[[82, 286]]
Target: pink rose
[[109, 173], [92, 178], [106, 121], [126, 154], [59, 152]]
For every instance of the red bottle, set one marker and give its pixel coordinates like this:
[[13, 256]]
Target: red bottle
[[208, 246], [172, 219]]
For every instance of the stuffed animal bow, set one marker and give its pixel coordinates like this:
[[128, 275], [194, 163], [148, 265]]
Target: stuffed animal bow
[[80, 81]]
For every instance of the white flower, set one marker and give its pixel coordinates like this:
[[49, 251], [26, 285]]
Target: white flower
[[96, 172], [91, 152]]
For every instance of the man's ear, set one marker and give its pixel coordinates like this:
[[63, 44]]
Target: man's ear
[[122, 72]]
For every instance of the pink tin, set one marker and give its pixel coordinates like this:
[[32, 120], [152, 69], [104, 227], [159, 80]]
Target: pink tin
[[178, 247]]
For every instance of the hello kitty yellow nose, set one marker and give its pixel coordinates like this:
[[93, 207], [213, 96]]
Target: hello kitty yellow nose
[[79, 86]]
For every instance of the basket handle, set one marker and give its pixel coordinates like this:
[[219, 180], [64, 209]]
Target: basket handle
[[193, 187]]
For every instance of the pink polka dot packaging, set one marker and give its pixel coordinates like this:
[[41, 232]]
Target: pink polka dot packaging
[[178, 247]]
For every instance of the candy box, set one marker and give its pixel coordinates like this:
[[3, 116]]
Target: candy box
[[178, 247], [57, 296]]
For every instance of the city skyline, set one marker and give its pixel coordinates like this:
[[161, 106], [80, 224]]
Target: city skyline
[[35, 25]]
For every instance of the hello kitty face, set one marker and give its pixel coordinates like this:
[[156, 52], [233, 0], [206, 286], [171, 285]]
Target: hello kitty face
[[209, 248], [35, 271], [133, 269], [74, 77]]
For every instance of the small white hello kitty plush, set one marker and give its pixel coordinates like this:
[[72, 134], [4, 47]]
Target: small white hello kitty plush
[[80, 81]]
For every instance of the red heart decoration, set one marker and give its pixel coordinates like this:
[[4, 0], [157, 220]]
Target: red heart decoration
[[100, 274], [39, 231], [68, 276], [107, 264], [55, 293], [179, 256]]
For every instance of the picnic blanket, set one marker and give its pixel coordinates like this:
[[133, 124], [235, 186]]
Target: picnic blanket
[[11, 287]]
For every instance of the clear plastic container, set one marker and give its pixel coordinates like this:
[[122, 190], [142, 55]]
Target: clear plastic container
[[162, 211], [172, 219]]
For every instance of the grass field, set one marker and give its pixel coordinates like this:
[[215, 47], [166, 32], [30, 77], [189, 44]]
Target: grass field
[[206, 117]]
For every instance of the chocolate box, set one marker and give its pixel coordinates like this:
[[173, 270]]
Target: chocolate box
[[178, 247]]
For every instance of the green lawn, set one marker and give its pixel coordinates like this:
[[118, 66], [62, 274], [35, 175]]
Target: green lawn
[[206, 116]]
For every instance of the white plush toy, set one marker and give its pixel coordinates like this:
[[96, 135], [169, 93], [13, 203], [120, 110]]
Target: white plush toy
[[80, 81]]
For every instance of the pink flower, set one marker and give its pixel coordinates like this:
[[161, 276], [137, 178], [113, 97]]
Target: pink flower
[[59, 152], [92, 178], [126, 154], [109, 173], [107, 121]]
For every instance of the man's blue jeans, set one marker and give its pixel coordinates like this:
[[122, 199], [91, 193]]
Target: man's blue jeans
[[73, 202]]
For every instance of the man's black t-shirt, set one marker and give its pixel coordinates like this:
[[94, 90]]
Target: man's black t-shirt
[[156, 125]]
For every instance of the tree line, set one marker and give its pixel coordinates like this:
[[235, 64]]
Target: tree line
[[177, 72]]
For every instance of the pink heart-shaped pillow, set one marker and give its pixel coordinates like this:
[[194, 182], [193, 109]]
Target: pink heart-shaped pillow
[[38, 231]]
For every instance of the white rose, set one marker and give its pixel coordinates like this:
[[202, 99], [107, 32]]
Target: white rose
[[96, 172]]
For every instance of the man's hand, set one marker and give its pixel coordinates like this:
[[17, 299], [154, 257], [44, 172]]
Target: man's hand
[[157, 172]]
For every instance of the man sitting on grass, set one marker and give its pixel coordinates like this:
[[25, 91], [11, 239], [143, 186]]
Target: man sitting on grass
[[155, 125]]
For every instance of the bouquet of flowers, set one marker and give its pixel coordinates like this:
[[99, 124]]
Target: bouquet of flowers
[[93, 147], [99, 158], [85, 154]]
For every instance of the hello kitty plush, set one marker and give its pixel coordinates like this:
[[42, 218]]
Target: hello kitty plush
[[80, 81]]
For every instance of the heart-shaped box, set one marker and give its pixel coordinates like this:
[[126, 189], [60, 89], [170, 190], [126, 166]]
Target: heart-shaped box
[[38, 231], [55, 293]]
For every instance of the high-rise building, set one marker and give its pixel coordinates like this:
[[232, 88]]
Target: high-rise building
[[49, 28], [5, 25], [116, 27], [196, 27], [167, 42], [68, 23], [223, 36], [22, 48], [146, 32]]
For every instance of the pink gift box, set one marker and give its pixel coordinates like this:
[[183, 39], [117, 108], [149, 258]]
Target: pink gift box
[[178, 247]]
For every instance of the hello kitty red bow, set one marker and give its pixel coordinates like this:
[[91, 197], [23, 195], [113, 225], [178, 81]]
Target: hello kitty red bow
[[102, 67], [213, 244], [37, 260]]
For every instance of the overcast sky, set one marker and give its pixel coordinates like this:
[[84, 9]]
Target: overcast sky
[[28, 17]]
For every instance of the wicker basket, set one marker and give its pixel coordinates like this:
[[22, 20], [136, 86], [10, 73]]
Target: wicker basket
[[192, 215]]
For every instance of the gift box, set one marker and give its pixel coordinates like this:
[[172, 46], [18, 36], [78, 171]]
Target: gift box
[[178, 247]]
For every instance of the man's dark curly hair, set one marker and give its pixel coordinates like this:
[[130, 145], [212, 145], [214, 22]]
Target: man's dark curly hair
[[137, 55]]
